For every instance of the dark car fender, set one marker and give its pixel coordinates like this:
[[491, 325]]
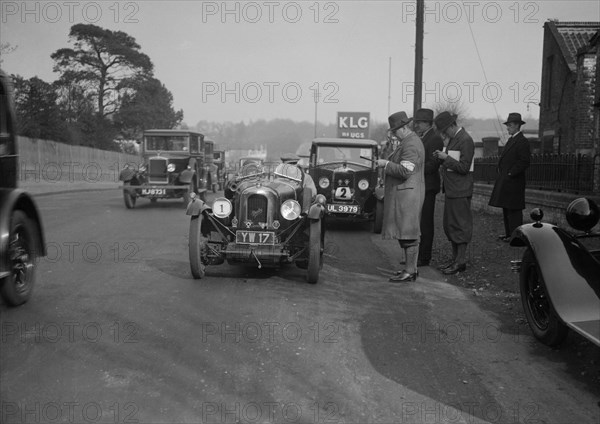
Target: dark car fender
[[196, 207], [11, 200], [569, 270]]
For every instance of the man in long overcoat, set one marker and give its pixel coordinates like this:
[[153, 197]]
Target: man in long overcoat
[[509, 189], [404, 193], [423, 123], [457, 179]]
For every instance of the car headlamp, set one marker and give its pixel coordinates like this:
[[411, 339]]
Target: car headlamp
[[222, 207], [142, 168], [290, 210], [323, 182], [171, 167], [363, 184]]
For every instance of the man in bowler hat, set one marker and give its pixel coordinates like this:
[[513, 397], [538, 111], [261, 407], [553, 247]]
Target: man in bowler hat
[[509, 189], [456, 162], [404, 193], [423, 124]]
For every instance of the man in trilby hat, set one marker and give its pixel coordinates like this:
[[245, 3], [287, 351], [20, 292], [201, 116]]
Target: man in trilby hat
[[456, 164], [423, 123], [509, 188], [404, 193]]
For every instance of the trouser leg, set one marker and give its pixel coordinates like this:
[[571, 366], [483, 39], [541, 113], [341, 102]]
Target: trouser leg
[[461, 253], [505, 217], [514, 219], [427, 227]]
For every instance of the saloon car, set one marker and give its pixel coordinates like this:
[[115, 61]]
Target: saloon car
[[264, 220], [345, 172], [559, 274], [173, 166], [21, 232]]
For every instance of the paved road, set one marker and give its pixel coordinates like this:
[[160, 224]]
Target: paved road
[[118, 331]]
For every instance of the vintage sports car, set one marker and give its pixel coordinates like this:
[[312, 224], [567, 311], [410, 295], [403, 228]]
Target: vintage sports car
[[21, 232], [559, 276], [264, 220], [173, 167], [345, 172]]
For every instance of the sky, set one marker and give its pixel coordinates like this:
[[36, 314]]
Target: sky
[[249, 60]]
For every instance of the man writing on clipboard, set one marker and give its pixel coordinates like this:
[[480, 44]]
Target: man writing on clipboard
[[457, 184]]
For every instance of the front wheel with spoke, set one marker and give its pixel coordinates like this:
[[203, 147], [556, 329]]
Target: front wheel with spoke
[[16, 288], [543, 320]]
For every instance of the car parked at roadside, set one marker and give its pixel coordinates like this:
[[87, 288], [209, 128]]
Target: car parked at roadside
[[345, 172], [265, 220], [21, 230], [559, 274], [173, 166]]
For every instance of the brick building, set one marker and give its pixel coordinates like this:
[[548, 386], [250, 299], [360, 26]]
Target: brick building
[[568, 90]]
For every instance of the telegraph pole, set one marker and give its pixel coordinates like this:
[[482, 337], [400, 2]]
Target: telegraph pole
[[389, 85], [418, 88], [317, 95]]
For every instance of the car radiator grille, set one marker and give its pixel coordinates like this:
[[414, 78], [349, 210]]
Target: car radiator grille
[[157, 171], [257, 208]]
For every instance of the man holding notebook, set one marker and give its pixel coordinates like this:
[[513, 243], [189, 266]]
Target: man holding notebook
[[456, 167]]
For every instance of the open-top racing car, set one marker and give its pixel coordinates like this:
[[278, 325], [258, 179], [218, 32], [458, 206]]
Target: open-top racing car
[[559, 275], [264, 220]]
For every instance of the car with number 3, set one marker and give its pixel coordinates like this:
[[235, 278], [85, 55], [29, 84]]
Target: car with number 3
[[345, 172], [265, 219]]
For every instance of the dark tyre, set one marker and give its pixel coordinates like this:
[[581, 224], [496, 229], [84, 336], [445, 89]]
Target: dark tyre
[[16, 288], [543, 320], [378, 223], [315, 252], [128, 198], [197, 248]]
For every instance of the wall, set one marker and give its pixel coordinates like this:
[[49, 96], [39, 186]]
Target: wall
[[556, 98], [49, 161], [552, 203]]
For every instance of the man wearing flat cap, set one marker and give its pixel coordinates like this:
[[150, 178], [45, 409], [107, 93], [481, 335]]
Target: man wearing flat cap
[[423, 123], [456, 164], [509, 189], [404, 193]]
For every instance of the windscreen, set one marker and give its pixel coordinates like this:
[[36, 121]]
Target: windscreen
[[174, 143], [361, 156]]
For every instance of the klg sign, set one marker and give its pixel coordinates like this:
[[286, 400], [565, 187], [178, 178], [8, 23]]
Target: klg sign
[[353, 124]]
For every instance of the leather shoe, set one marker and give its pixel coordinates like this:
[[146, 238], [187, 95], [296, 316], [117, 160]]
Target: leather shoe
[[446, 265], [454, 268], [404, 277], [422, 262], [405, 271]]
